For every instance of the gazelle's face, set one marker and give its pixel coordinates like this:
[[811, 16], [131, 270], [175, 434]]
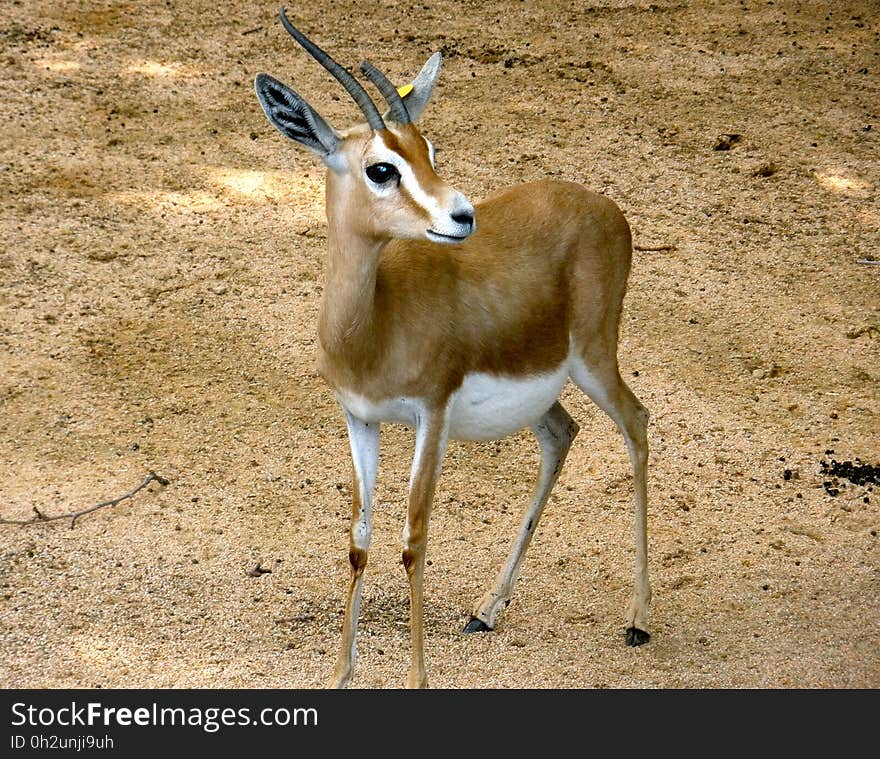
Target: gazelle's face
[[384, 183], [380, 181]]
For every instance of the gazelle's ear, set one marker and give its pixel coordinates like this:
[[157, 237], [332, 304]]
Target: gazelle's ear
[[295, 118], [417, 94]]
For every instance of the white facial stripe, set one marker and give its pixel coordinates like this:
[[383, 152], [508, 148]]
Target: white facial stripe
[[431, 205], [431, 151]]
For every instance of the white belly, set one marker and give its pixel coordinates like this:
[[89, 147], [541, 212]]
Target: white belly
[[485, 407], [488, 407]]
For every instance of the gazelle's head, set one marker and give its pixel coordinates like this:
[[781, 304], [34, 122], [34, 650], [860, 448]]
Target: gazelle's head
[[381, 181]]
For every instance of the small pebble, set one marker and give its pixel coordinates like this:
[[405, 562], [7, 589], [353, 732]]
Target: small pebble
[[257, 570]]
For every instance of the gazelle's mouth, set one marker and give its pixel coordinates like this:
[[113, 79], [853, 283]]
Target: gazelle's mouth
[[438, 237]]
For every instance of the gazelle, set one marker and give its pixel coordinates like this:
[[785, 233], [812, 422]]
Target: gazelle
[[460, 321]]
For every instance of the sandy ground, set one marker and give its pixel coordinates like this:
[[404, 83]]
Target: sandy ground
[[161, 254]]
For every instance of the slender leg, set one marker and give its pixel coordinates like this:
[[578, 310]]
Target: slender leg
[[431, 437], [608, 391], [555, 432], [634, 425], [364, 440]]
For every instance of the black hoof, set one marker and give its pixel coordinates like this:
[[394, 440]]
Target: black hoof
[[476, 626], [636, 637]]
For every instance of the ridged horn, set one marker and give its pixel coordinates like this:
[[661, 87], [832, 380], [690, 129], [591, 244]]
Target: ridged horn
[[389, 92], [351, 85]]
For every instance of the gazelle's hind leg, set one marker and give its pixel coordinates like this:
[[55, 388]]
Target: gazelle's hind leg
[[605, 387], [555, 432]]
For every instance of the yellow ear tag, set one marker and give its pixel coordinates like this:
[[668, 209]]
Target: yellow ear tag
[[405, 90]]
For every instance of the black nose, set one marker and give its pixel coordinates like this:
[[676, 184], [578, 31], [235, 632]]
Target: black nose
[[463, 218]]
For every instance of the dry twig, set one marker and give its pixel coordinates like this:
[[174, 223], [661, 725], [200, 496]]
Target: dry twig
[[655, 247], [39, 516], [868, 261]]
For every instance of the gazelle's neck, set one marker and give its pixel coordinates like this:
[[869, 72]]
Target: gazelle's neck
[[347, 308]]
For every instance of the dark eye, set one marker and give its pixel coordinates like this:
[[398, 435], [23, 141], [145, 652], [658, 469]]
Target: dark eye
[[380, 173]]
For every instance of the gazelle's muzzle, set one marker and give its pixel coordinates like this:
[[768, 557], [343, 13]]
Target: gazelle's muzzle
[[458, 225]]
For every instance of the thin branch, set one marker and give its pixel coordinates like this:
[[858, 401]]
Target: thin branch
[[869, 261], [39, 516], [655, 247], [855, 332]]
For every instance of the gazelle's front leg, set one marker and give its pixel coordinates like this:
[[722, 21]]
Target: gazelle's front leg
[[555, 432], [364, 440], [431, 437]]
